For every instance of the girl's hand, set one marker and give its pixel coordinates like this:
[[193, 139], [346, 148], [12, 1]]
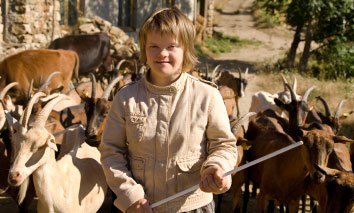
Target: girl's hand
[[140, 206], [213, 181]]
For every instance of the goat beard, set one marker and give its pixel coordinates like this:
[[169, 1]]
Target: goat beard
[[23, 190]]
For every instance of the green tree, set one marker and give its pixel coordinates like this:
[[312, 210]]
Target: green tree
[[322, 21]]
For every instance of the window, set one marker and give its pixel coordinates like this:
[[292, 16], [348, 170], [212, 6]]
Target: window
[[126, 14], [69, 12], [167, 3], [201, 7]]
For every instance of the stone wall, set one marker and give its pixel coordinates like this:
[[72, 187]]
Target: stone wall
[[30, 24], [1, 27], [210, 15]]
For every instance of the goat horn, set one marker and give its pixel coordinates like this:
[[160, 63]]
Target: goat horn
[[47, 81], [136, 67], [307, 93], [246, 73], [120, 64], [213, 75], [295, 85], [26, 114], [239, 73], [93, 89], [30, 90], [292, 94], [325, 105], [284, 81], [237, 123], [6, 89], [110, 87], [50, 97], [339, 108], [2, 116], [43, 115], [141, 70]]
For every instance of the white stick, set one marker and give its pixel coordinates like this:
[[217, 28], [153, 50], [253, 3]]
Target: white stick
[[270, 155]]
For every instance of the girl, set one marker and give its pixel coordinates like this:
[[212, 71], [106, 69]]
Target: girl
[[168, 131]]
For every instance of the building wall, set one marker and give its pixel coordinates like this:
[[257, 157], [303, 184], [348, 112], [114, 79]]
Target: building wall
[[108, 10], [1, 27], [29, 24]]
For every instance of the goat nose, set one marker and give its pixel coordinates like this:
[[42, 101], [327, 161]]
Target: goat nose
[[318, 177], [13, 176]]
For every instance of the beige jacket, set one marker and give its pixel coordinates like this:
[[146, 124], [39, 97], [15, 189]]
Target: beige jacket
[[157, 140]]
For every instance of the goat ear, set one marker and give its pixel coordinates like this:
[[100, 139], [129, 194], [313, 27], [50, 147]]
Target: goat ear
[[342, 139], [279, 103], [51, 143], [12, 121], [345, 115], [301, 132], [326, 171]]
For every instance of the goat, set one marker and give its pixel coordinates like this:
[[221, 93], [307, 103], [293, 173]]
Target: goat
[[34, 153], [23, 203], [238, 85], [32, 64], [283, 178], [228, 97], [96, 111], [239, 178], [336, 194], [262, 100]]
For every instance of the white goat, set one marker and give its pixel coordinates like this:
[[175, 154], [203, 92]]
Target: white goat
[[264, 100], [74, 183]]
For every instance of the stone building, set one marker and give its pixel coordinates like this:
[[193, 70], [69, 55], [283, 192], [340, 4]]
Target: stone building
[[32, 24]]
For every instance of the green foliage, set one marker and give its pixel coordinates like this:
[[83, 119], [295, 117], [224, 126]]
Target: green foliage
[[199, 52], [335, 60], [330, 24], [265, 15], [220, 43]]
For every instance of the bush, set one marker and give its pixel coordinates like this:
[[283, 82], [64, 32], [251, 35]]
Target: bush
[[220, 43], [335, 61]]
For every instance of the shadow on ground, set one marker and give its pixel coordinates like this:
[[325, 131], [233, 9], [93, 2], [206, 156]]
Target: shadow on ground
[[231, 65]]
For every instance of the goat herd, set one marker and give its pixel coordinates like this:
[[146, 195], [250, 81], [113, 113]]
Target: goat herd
[[50, 133]]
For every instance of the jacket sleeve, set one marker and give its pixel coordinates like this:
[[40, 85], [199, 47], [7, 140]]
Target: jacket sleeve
[[222, 149], [114, 152]]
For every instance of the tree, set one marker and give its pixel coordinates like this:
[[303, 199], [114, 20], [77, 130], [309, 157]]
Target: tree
[[322, 21]]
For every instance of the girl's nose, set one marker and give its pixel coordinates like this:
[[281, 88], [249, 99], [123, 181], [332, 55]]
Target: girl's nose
[[163, 52]]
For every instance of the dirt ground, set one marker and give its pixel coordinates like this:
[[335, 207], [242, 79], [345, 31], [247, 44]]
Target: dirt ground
[[235, 19]]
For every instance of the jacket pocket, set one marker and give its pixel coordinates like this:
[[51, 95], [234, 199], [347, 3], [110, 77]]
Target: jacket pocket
[[137, 166], [188, 173], [135, 127]]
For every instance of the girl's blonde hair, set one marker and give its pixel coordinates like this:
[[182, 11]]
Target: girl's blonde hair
[[171, 21]]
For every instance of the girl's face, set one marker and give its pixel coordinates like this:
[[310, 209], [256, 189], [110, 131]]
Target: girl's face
[[164, 55]]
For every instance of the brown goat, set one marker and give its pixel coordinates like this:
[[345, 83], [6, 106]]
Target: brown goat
[[34, 64], [96, 110], [283, 178], [336, 194], [238, 85]]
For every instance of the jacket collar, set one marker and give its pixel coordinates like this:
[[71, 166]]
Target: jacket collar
[[166, 90]]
